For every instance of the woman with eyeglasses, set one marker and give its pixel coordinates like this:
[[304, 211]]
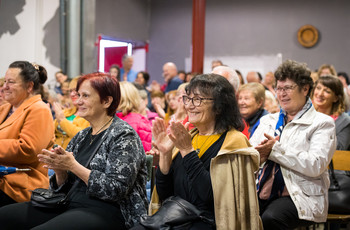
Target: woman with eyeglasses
[[295, 146], [213, 165]]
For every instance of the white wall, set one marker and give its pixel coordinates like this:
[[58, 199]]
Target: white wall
[[27, 42]]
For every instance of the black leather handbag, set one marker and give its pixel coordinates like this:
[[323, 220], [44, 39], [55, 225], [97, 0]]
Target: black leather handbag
[[339, 191], [175, 213], [47, 198]]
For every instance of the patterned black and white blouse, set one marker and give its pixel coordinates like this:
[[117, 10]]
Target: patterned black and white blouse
[[118, 170]]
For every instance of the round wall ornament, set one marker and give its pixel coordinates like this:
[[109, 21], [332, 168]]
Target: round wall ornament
[[307, 36]]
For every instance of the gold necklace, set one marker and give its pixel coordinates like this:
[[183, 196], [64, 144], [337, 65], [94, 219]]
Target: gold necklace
[[198, 149], [93, 137]]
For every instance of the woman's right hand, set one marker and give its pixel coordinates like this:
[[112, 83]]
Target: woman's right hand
[[162, 145], [161, 142], [61, 175]]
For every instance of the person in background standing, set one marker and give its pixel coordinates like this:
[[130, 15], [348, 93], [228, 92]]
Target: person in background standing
[[126, 73]]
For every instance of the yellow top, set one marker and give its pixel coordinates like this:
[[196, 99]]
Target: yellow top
[[202, 142]]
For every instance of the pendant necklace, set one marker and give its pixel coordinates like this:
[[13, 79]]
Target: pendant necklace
[[93, 137], [198, 149]]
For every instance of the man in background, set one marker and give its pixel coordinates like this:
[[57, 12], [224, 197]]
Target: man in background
[[170, 77], [229, 74], [126, 73], [253, 76]]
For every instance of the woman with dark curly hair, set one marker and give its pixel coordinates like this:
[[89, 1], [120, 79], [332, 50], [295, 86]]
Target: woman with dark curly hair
[[213, 165], [295, 146]]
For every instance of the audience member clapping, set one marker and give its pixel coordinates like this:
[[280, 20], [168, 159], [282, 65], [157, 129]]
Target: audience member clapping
[[295, 146]]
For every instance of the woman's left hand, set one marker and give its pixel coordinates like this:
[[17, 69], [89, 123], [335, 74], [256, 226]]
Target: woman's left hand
[[181, 138], [57, 159]]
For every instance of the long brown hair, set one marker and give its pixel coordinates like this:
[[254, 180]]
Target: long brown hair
[[334, 84]]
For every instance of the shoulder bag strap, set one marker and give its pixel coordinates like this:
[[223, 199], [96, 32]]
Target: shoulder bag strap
[[334, 184]]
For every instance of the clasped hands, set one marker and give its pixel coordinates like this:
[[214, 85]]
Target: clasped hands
[[57, 159], [265, 147], [164, 142]]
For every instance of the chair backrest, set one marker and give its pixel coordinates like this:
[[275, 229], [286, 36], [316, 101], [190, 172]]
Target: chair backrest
[[341, 160]]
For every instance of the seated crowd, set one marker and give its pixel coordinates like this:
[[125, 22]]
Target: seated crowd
[[247, 155]]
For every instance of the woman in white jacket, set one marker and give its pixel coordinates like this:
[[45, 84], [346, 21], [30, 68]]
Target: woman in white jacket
[[295, 146]]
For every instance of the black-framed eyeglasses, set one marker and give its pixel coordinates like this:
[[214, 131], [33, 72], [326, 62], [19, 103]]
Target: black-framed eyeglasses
[[286, 89], [196, 101]]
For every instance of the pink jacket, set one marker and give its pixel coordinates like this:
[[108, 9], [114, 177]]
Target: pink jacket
[[141, 126]]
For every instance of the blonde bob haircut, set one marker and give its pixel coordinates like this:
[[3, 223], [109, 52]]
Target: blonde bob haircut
[[257, 89], [130, 98]]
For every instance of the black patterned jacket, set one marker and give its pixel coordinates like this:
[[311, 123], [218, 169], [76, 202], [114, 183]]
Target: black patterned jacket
[[118, 170]]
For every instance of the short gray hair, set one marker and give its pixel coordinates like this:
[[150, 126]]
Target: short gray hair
[[230, 74]]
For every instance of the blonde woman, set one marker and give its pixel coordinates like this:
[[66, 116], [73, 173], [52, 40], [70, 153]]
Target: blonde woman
[[251, 99], [180, 113], [271, 103], [128, 108], [172, 102]]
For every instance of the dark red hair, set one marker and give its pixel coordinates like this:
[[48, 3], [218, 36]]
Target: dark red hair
[[106, 86]]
